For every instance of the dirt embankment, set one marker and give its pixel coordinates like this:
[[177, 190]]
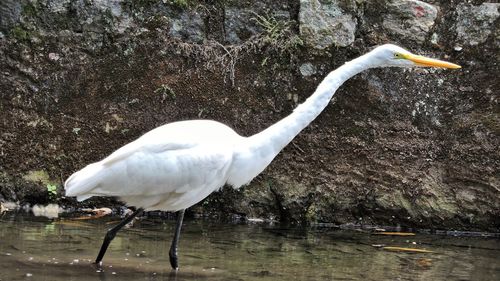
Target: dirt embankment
[[416, 147]]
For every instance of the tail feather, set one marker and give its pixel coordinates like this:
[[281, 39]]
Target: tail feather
[[82, 183]]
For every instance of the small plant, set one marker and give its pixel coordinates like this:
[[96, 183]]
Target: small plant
[[278, 33], [52, 190], [273, 28], [165, 92], [20, 33]]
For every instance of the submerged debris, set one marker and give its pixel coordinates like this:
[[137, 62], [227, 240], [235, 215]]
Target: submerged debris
[[403, 249], [424, 262], [95, 213], [8, 206]]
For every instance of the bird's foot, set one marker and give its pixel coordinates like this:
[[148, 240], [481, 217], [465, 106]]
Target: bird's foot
[[98, 266], [174, 262]]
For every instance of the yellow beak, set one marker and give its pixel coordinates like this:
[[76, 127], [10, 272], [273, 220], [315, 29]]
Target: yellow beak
[[424, 61]]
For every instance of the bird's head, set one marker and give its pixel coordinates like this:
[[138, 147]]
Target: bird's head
[[391, 55]]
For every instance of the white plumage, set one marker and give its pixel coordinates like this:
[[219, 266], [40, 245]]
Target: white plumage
[[169, 168]]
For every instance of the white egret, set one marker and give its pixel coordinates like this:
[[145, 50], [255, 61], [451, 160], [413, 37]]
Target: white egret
[[177, 165]]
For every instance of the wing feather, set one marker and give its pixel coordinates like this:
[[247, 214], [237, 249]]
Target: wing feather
[[178, 158]]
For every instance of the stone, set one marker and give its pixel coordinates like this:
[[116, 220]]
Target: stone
[[411, 19], [10, 13], [307, 69], [109, 12], [323, 24], [58, 6], [121, 21], [50, 211], [113, 6], [187, 26], [475, 23], [434, 38], [54, 56], [238, 25]]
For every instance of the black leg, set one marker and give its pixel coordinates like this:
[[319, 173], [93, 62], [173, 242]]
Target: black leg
[[173, 248], [112, 233]]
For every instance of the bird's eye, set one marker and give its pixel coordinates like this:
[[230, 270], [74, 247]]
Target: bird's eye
[[397, 55]]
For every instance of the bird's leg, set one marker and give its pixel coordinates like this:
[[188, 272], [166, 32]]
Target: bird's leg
[[112, 233], [173, 248]]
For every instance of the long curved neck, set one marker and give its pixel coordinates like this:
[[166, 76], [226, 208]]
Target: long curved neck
[[273, 139]]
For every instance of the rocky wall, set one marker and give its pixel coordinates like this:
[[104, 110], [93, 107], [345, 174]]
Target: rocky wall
[[80, 78]]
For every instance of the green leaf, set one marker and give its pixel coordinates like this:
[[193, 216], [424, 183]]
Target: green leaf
[[52, 189]]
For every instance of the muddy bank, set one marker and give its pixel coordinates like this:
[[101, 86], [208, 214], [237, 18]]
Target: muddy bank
[[415, 147]]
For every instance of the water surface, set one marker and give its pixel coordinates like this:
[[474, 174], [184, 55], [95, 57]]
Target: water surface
[[34, 248]]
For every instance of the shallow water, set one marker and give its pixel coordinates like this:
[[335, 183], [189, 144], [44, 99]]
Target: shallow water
[[34, 248]]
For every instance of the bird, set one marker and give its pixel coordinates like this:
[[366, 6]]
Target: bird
[[176, 165]]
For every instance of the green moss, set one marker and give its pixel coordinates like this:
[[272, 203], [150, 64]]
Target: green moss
[[396, 201], [311, 215], [30, 10], [20, 33], [38, 176], [41, 176]]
